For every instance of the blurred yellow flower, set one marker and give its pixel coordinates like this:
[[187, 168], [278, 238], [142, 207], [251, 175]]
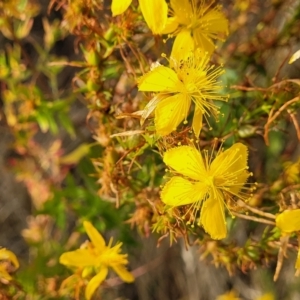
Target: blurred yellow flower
[[297, 264], [10, 257], [195, 24], [294, 57], [267, 296], [155, 12], [96, 255], [191, 80], [291, 172], [206, 182], [231, 295], [288, 221]]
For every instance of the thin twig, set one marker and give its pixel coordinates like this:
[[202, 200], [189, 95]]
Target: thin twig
[[255, 210], [272, 118], [252, 218], [295, 122], [284, 240], [270, 88], [249, 89], [289, 188]]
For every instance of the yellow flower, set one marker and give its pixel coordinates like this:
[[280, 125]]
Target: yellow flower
[[294, 57], [288, 221], [155, 12], [267, 296], [206, 182], [191, 80], [6, 255], [98, 256], [195, 25], [231, 295]]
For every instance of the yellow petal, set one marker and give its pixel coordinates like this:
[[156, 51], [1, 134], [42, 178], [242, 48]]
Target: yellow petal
[[294, 57], [94, 235], [241, 180], [155, 13], [179, 191], [182, 10], [297, 265], [4, 274], [123, 273], [95, 282], [171, 25], [289, 220], [234, 158], [183, 46], [187, 161], [119, 6], [78, 258], [8, 255], [230, 167], [203, 42], [212, 216], [170, 112], [197, 121], [160, 79], [216, 22]]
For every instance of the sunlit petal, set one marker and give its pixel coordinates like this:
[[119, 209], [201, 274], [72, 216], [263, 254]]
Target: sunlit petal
[[205, 22], [94, 235], [187, 161], [78, 258], [119, 6], [212, 216], [289, 221], [203, 42], [171, 25], [238, 185], [230, 167], [232, 159], [183, 45], [122, 272], [155, 13], [160, 79], [216, 22], [179, 191], [182, 10], [197, 121], [95, 283], [170, 112]]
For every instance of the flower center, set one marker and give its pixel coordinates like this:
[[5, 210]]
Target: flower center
[[210, 181]]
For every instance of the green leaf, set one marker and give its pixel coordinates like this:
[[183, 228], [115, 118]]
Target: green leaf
[[67, 124]]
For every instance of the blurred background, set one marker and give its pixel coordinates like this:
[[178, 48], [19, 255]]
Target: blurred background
[[57, 157]]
